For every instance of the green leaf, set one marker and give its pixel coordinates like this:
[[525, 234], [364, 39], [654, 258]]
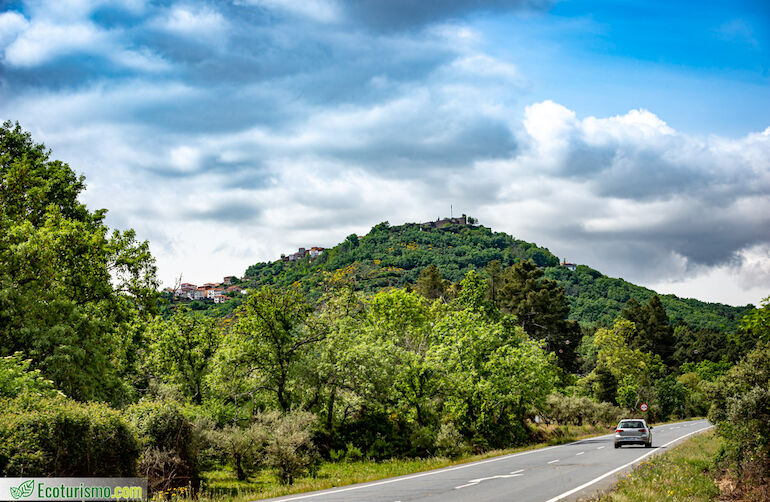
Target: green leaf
[[15, 492], [26, 488]]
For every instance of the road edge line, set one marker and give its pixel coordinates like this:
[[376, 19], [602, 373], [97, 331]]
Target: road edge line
[[610, 473], [406, 477]]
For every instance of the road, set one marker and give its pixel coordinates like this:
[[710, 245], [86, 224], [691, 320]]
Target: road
[[556, 473]]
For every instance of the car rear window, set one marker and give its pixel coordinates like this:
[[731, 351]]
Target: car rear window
[[630, 425]]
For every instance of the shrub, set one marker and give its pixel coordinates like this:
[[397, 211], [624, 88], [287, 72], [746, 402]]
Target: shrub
[[578, 410], [17, 378], [740, 408], [290, 448], [55, 436], [169, 445], [244, 448], [450, 442]]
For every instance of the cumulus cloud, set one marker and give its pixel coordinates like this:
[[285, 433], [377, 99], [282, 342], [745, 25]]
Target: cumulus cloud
[[229, 133], [646, 201]]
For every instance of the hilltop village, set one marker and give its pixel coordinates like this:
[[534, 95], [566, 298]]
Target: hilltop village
[[223, 291]]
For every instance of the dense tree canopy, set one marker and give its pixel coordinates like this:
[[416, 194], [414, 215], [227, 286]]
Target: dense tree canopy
[[71, 291]]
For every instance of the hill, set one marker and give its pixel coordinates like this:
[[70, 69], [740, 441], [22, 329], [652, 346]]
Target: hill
[[394, 256]]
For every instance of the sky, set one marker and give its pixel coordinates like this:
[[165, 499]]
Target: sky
[[630, 136]]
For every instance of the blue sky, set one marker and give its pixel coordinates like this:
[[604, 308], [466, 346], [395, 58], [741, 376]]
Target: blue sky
[[631, 136]]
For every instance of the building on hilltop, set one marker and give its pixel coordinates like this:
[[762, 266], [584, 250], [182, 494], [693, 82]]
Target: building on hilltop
[[213, 293], [445, 222], [566, 264], [302, 252]]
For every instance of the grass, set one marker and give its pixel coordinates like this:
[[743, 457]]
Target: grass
[[221, 484], [680, 475]]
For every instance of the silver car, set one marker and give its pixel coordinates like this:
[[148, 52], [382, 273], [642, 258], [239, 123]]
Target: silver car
[[633, 431]]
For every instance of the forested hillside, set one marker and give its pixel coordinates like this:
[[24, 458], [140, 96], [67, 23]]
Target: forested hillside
[[394, 256]]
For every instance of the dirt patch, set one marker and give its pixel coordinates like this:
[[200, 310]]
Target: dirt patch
[[733, 490]]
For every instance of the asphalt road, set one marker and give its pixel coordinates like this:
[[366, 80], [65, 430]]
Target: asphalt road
[[556, 473]]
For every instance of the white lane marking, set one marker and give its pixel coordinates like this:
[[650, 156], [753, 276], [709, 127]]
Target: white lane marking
[[474, 482], [433, 472], [516, 472], [553, 461], [576, 454], [430, 473], [585, 485], [599, 448]]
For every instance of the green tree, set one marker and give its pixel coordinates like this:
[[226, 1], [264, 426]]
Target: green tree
[[654, 332], [632, 370], [430, 284], [402, 322], [71, 292], [263, 350], [671, 397], [494, 273], [17, 378], [182, 349], [541, 308], [754, 328], [474, 295], [491, 378], [331, 368]]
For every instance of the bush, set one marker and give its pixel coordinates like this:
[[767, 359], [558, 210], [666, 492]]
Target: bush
[[55, 436], [17, 378], [578, 410], [169, 446], [740, 408], [244, 448], [290, 449], [450, 442]]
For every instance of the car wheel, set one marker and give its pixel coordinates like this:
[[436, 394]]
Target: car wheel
[[648, 445], [617, 445]]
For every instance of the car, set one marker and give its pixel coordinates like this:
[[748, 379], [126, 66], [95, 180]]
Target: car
[[633, 431]]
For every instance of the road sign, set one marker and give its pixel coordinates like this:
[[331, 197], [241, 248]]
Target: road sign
[[643, 406]]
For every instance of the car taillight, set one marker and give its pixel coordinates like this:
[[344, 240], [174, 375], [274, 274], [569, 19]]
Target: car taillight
[[643, 430], [618, 430]]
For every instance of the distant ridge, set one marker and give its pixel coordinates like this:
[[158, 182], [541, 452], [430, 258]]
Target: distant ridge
[[393, 256]]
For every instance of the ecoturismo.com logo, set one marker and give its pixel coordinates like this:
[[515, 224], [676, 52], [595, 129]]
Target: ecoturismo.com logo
[[13, 489]]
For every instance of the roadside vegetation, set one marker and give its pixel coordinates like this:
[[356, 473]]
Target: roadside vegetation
[[304, 377], [683, 474], [223, 484]]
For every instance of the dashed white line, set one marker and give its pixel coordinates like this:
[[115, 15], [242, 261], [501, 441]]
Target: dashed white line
[[613, 471], [599, 448], [576, 454], [474, 482], [553, 461]]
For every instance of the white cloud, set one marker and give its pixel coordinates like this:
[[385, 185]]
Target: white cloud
[[196, 22], [292, 137], [487, 66], [43, 41], [11, 24], [185, 158]]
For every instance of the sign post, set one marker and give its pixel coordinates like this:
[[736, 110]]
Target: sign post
[[643, 407]]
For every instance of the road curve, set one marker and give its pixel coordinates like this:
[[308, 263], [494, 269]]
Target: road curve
[[557, 473]]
